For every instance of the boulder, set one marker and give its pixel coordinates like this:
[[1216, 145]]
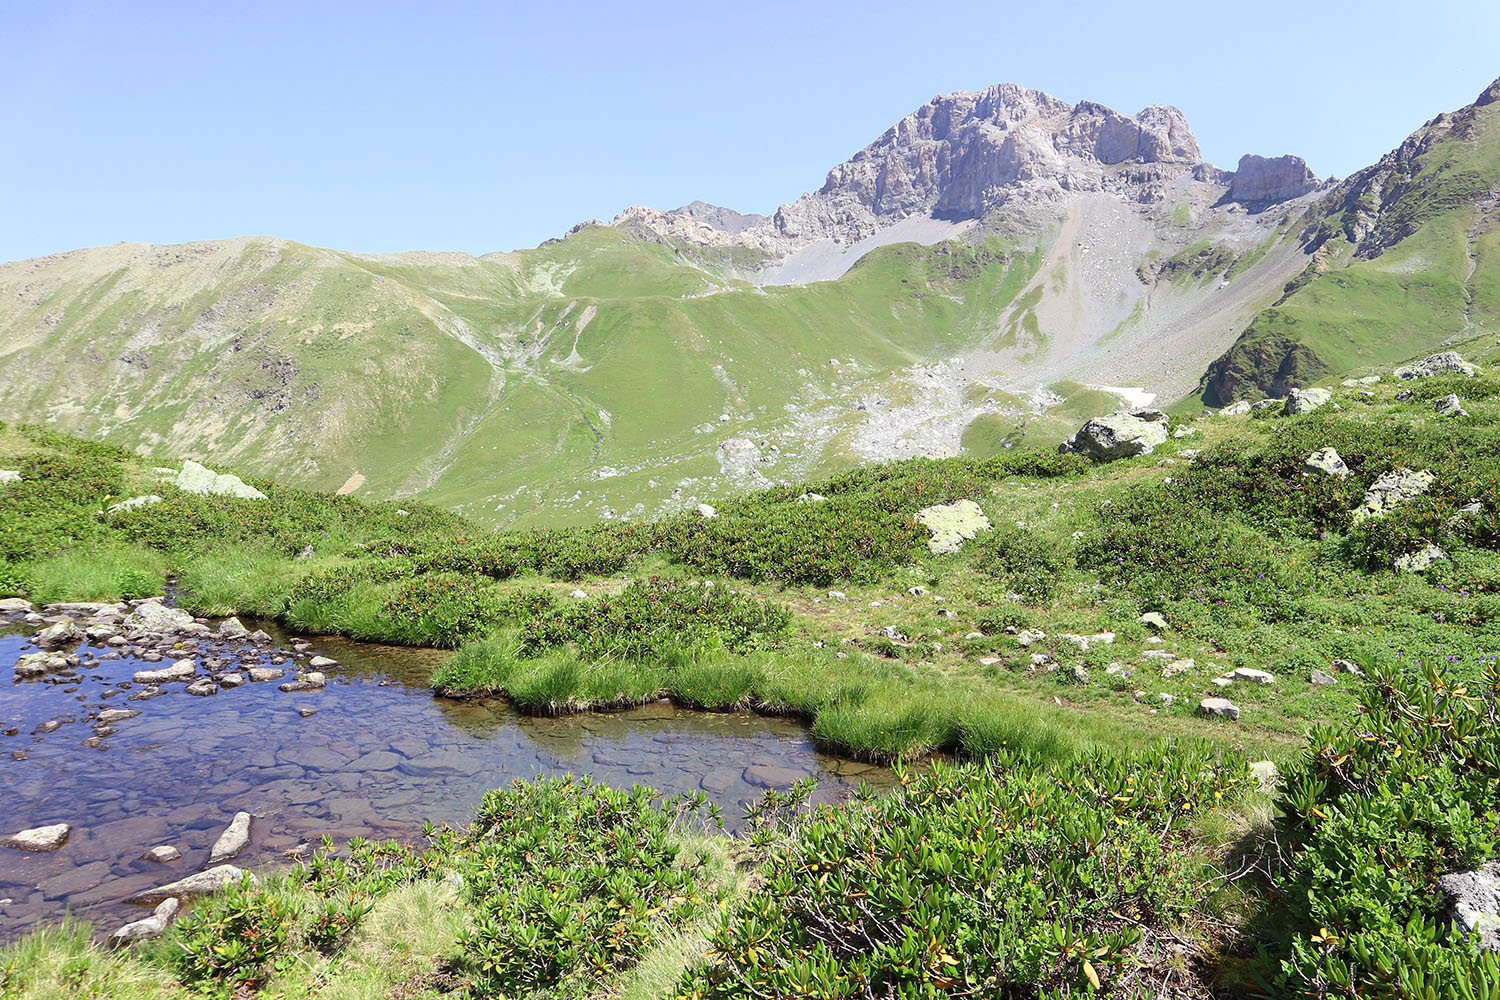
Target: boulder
[[179, 671], [310, 681], [1450, 406], [232, 680], [1391, 490], [811, 498], [234, 839], [1444, 363], [1251, 675], [1346, 667], [148, 927], [57, 635], [112, 715], [1306, 400], [266, 673], [1119, 435], [1326, 461], [1221, 708], [39, 838], [1420, 560], [145, 500], [14, 606], [8, 476], [195, 478], [1154, 620], [153, 616], [1322, 679], [201, 884], [232, 628], [162, 854], [1237, 409], [952, 524], [203, 687], [321, 662], [1473, 899], [705, 510], [40, 664]]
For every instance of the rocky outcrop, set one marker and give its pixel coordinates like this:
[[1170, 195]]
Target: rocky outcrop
[[726, 220], [1473, 899], [1119, 435], [1391, 490], [1442, 363], [1260, 181], [1327, 462]]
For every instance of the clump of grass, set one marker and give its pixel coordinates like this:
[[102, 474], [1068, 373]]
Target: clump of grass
[[103, 573]]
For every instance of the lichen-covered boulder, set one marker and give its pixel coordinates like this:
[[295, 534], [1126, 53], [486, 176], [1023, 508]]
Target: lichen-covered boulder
[[1305, 401], [1327, 461], [1391, 490], [1444, 363], [1119, 435], [1450, 406], [196, 478], [952, 524], [1420, 560]]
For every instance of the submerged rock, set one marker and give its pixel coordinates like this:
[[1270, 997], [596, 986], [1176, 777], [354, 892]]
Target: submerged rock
[[952, 524], [310, 681], [179, 671], [39, 838], [162, 854]]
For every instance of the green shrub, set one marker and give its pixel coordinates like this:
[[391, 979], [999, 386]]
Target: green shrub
[[232, 935]]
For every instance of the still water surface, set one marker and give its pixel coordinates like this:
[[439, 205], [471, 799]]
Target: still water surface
[[378, 757]]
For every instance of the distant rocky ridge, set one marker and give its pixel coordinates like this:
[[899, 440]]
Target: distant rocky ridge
[[962, 156]]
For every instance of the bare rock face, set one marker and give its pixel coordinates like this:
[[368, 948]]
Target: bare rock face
[[1261, 181], [726, 220]]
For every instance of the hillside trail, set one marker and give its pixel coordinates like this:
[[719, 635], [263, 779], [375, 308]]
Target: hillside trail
[[1471, 239]]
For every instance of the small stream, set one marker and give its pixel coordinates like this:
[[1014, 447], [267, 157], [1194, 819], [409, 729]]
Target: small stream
[[378, 755]]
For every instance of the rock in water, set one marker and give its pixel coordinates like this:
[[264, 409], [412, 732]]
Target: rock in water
[[201, 884], [39, 838], [57, 635], [310, 681], [952, 524], [153, 616], [162, 854], [1443, 363], [179, 671], [1305, 401], [1119, 435], [151, 926], [1391, 490], [1474, 903], [1325, 460], [234, 839]]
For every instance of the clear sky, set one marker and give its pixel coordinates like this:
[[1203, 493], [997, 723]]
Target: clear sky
[[388, 126]]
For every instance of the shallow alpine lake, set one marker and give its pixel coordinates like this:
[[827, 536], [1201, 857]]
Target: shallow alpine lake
[[378, 755]]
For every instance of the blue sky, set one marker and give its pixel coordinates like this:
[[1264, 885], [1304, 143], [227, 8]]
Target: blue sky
[[445, 126]]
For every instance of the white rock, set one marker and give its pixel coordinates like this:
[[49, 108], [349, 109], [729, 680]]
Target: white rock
[[321, 662], [201, 884], [39, 838], [180, 671], [1251, 675], [1219, 707], [234, 839], [162, 854], [952, 524], [151, 926], [705, 510]]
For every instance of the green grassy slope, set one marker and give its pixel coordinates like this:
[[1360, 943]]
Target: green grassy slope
[[1403, 261]]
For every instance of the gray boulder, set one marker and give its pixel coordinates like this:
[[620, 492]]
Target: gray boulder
[[1262, 181], [14, 605], [154, 616], [1306, 400], [57, 635], [1119, 435], [1391, 490], [1473, 899], [1154, 620], [1327, 461], [1450, 406], [8, 476], [201, 884], [1236, 409], [1221, 708], [1420, 560], [195, 478], [145, 500], [1444, 363], [39, 665], [234, 839], [705, 510], [1323, 679], [180, 671], [148, 927]]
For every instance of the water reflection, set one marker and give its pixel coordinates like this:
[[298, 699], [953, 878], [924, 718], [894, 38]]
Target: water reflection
[[378, 755]]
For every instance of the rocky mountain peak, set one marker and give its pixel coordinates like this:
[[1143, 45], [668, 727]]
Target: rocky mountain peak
[[726, 220], [1261, 181]]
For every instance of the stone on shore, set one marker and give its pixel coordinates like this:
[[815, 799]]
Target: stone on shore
[[151, 926], [200, 884], [1473, 899]]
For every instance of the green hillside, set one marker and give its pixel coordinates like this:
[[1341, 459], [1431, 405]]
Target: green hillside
[[1403, 259], [1102, 833]]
